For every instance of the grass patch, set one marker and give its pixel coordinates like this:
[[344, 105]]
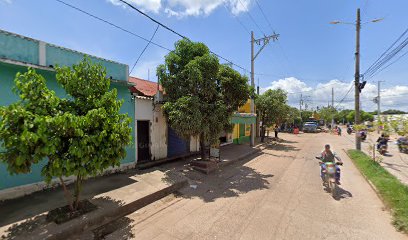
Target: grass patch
[[393, 192]]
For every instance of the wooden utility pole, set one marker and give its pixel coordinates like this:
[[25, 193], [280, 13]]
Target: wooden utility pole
[[357, 80], [262, 42]]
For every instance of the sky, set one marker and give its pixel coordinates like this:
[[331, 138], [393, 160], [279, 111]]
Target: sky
[[310, 57]]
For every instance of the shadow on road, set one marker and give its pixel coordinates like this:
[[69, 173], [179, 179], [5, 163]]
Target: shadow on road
[[230, 181], [28, 206], [342, 194], [30, 226], [281, 147]]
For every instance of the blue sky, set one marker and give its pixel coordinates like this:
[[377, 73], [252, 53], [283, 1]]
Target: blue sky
[[311, 54]]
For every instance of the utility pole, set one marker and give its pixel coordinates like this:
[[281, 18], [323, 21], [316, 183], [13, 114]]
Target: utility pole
[[300, 107], [357, 80], [378, 101], [262, 41], [332, 123]]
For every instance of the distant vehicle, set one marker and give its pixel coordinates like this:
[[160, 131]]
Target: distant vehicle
[[403, 144], [310, 127]]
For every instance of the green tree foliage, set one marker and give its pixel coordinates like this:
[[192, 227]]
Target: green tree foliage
[[272, 108], [201, 93], [364, 116], [80, 135], [392, 111], [306, 115], [327, 114], [342, 115]]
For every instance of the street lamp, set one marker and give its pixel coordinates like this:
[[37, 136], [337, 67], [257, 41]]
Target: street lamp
[[357, 85]]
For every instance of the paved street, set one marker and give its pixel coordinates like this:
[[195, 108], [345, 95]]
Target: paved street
[[394, 161], [277, 194]]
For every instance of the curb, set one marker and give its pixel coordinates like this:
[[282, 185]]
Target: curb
[[102, 216], [242, 157]]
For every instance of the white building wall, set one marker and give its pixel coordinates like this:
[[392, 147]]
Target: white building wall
[[158, 127], [194, 144], [159, 135]]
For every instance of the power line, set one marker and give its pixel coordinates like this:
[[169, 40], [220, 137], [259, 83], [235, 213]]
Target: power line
[[178, 34], [344, 96], [264, 15], [236, 18], [147, 45], [112, 24], [250, 16], [386, 56], [140, 37]]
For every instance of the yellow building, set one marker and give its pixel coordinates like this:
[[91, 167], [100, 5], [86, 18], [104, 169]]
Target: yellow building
[[242, 121]]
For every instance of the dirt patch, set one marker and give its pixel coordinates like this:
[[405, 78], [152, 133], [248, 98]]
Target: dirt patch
[[64, 214]]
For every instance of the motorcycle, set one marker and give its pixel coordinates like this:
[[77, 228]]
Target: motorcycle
[[403, 144], [349, 130], [363, 135], [329, 176], [382, 148]]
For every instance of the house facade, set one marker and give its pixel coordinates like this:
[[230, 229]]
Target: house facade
[[242, 121], [17, 54], [155, 139]]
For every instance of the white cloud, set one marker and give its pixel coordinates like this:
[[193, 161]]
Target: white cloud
[[145, 5], [321, 94], [185, 8], [5, 1]]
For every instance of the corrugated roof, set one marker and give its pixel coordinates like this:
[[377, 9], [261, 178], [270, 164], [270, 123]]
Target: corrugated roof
[[144, 87]]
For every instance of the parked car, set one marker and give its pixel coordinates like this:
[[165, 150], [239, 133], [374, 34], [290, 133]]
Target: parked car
[[310, 127]]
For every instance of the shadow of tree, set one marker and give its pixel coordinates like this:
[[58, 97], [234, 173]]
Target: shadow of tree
[[31, 205], [37, 227], [230, 181], [103, 223], [282, 147]]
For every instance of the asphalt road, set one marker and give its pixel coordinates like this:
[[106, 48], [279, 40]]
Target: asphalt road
[[275, 195]]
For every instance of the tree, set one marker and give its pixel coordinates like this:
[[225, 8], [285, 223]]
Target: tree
[[392, 111], [306, 115], [272, 108], [201, 93], [80, 135], [364, 116], [327, 114]]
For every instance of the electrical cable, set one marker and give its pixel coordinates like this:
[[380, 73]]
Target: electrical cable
[[147, 45]]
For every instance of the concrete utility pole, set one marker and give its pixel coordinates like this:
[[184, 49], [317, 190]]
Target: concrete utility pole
[[333, 97], [357, 79], [262, 41], [300, 107], [378, 101]]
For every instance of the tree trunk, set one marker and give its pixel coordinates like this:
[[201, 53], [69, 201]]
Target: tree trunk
[[67, 194], [77, 191], [263, 130], [202, 147]]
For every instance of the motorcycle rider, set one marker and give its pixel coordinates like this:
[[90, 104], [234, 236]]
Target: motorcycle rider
[[330, 156], [382, 140]]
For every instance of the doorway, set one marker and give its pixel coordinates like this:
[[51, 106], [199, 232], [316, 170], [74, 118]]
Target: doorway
[[143, 141]]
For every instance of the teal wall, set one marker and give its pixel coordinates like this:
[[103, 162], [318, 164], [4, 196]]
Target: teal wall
[[23, 49], [18, 48], [7, 75], [63, 57]]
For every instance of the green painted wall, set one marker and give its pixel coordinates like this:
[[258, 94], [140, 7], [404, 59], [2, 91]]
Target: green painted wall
[[64, 57], [23, 49], [7, 75], [18, 48]]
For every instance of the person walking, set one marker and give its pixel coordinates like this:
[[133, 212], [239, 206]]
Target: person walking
[[276, 131]]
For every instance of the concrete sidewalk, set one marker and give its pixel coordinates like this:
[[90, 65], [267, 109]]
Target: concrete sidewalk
[[27, 214], [115, 196]]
